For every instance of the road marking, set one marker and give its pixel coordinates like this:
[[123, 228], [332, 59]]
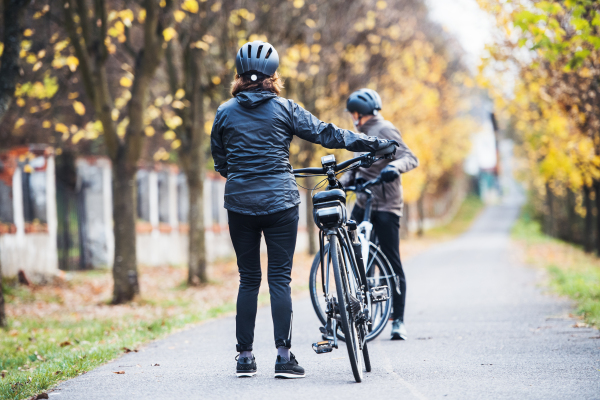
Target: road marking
[[413, 390]]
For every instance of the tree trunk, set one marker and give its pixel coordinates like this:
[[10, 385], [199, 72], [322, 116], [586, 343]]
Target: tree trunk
[[197, 242], [588, 239], [404, 222], [3, 322], [597, 189], [549, 220], [124, 214], [9, 63], [421, 214], [196, 171], [572, 232]]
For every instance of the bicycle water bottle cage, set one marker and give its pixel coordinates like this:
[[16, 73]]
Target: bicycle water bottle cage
[[329, 208]]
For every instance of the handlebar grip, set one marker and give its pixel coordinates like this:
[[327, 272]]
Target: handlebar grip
[[308, 171], [389, 150]]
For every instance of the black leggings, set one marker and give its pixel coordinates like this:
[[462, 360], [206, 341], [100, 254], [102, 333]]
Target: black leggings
[[280, 229], [387, 228]]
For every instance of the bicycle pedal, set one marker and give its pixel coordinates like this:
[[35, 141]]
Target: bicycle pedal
[[326, 346], [380, 293]]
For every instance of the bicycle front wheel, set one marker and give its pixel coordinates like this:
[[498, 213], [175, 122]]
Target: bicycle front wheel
[[344, 300]]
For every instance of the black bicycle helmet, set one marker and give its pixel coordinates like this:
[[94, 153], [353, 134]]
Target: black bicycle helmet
[[364, 102], [257, 58]]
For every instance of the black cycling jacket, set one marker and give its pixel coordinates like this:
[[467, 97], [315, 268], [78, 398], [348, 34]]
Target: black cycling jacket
[[250, 145]]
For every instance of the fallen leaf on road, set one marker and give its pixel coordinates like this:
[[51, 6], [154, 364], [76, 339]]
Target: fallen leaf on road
[[580, 325], [156, 365], [138, 365], [40, 396], [119, 372], [128, 350]]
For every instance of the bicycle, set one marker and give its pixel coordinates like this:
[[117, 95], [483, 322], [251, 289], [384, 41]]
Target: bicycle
[[350, 304], [378, 270]]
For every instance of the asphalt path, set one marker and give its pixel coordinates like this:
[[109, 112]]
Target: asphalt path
[[480, 324]]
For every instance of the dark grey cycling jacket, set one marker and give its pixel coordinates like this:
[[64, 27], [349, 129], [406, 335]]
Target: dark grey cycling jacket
[[250, 145]]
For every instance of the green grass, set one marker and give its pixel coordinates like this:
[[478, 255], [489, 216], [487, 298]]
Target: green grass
[[468, 211], [572, 272], [43, 352], [583, 287]]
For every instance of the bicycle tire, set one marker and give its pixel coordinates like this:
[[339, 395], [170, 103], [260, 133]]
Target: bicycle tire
[[366, 357], [315, 295], [347, 324]]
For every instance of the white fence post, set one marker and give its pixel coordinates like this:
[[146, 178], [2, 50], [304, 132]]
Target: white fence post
[[51, 216]]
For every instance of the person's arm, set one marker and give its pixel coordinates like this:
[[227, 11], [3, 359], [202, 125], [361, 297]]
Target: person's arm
[[217, 148], [404, 159], [308, 127]]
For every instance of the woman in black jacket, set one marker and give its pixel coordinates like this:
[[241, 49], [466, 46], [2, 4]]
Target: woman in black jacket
[[250, 144]]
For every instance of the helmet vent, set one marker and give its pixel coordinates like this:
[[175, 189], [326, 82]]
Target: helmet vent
[[268, 53], [242, 52], [259, 51], [249, 51], [362, 98], [371, 97]]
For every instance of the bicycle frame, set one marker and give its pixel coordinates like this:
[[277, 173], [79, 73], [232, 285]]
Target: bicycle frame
[[365, 228]]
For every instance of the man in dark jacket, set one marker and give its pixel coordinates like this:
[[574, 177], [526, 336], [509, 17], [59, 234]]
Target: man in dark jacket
[[387, 203]]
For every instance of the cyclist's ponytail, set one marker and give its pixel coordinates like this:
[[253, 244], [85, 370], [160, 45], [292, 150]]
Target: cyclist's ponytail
[[244, 82]]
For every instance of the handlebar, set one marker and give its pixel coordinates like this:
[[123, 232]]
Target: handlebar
[[364, 160], [364, 186]]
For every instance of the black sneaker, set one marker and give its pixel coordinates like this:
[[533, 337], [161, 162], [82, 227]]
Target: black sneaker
[[246, 366], [285, 368]]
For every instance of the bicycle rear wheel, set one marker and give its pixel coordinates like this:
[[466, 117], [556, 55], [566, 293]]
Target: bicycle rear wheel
[[343, 292], [366, 357], [378, 273]]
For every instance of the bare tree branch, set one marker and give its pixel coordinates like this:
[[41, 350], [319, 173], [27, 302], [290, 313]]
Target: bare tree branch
[[100, 8], [80, 49], [84, 22], [157, 20]]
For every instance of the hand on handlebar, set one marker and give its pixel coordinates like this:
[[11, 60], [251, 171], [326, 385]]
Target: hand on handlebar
[[388, 149], [389, 173]]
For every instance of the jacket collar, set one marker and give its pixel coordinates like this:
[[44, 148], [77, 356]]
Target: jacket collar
[[370, 123]]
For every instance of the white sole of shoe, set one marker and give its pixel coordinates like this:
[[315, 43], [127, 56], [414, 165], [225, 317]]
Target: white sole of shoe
[[245, 374], [286, 375]]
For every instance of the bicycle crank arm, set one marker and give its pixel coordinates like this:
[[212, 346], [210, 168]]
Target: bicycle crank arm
[[380, 293]]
